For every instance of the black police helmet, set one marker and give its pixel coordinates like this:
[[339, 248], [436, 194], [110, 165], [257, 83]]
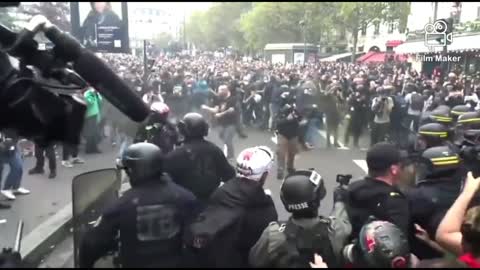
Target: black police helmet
[[439, 161], [384, 245], [432, 134], [302, 191], [460, 110], [469, 120], [441, 115], [193, 125], [142, 161]]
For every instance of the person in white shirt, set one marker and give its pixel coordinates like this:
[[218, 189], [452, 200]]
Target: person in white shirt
[[382, 106]]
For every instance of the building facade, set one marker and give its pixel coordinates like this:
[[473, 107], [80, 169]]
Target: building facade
[[378, 36], [151, 19]]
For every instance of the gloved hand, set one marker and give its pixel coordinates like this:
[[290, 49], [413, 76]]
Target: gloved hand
[[340, 194], [10, 259]]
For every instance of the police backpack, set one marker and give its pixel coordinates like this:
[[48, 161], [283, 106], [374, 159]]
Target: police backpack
[[303, 243]]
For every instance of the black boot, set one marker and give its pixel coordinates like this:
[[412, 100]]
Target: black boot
[[52, 175], [36, 170]]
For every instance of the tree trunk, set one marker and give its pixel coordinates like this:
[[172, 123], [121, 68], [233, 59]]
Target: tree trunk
[[355, 41]]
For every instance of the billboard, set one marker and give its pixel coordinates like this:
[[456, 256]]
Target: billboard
[[101, 26]]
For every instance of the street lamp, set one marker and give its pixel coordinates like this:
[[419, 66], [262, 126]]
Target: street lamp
[[302, 24]]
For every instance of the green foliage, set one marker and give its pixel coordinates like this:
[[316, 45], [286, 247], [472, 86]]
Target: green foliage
[[250, 26]]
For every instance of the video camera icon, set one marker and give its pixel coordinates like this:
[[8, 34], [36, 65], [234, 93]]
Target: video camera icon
[[438, 34]]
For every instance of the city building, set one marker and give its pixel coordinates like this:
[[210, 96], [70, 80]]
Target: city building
[[147, 20], [379, 37]]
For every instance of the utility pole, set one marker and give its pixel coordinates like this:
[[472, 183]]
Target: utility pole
[[145, 62]]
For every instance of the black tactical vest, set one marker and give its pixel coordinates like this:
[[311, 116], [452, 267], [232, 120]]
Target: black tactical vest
[[302, 243]]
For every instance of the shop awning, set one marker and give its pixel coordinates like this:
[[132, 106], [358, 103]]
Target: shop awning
[[379, 57], [334, 58], [459, 44], [394, 43]]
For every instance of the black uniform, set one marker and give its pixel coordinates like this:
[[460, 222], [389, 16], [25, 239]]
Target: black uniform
[[371, 197], [199, 166], [150, 219], [234, 219]]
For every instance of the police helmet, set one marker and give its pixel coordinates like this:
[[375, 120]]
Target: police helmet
[[432, 134], [440, 115], [439, 161], [469, 120], [384, 245], [193, 125], [302, 191], [141, 162], [459, 110]]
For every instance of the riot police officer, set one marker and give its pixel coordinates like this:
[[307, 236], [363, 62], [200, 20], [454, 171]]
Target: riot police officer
[[440, 182], [198, 165], [379, 195], [150, 217], [158, 130], [294, 243]]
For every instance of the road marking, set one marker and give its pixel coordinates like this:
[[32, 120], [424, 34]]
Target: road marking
[[362, 164], [324, 135]]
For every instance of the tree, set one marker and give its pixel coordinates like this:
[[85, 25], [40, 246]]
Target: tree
[[57, 12], [275, 22], [218, 27]]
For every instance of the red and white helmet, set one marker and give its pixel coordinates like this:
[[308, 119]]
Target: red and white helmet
[[253, 162], [160, 107]]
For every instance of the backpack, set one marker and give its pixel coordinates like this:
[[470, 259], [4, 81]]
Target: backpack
[[302, 243], [400, 107], [416, 102]]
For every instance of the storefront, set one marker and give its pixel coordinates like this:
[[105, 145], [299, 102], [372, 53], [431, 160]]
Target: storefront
[[290, 53], [462, 54]]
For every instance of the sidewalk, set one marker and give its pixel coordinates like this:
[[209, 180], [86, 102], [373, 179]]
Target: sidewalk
[[48, 196]]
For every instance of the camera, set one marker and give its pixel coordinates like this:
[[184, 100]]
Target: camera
[[344, 179]]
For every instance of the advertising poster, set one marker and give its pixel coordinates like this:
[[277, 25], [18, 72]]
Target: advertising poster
[[101, 26]]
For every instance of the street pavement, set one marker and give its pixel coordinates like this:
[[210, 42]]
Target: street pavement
[[49, 196]]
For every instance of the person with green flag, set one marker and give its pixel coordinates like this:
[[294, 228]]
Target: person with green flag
[[92, 121]]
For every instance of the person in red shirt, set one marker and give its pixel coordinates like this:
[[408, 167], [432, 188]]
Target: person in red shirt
[[459, 231]]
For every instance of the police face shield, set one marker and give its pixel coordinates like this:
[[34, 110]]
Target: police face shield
[[92, 193]]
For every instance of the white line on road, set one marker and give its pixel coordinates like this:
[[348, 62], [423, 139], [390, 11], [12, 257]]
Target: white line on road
[[324, 135], [362, 164]]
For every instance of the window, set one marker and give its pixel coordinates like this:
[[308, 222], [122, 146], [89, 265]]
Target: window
[[328, 50], [364, 29], [360, 49], [377, 28]]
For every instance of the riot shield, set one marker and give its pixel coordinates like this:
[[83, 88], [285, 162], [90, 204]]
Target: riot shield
[[92, 192]]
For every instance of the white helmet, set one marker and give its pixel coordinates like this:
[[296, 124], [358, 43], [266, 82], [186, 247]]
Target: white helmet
[[160, 107], [253, 162]]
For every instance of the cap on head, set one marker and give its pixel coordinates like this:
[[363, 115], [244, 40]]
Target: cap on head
[[253, 162]]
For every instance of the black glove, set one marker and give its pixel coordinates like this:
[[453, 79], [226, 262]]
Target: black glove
[[340, 194], [10, 259]]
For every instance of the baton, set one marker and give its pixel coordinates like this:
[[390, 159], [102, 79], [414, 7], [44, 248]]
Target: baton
[[18, 237]]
